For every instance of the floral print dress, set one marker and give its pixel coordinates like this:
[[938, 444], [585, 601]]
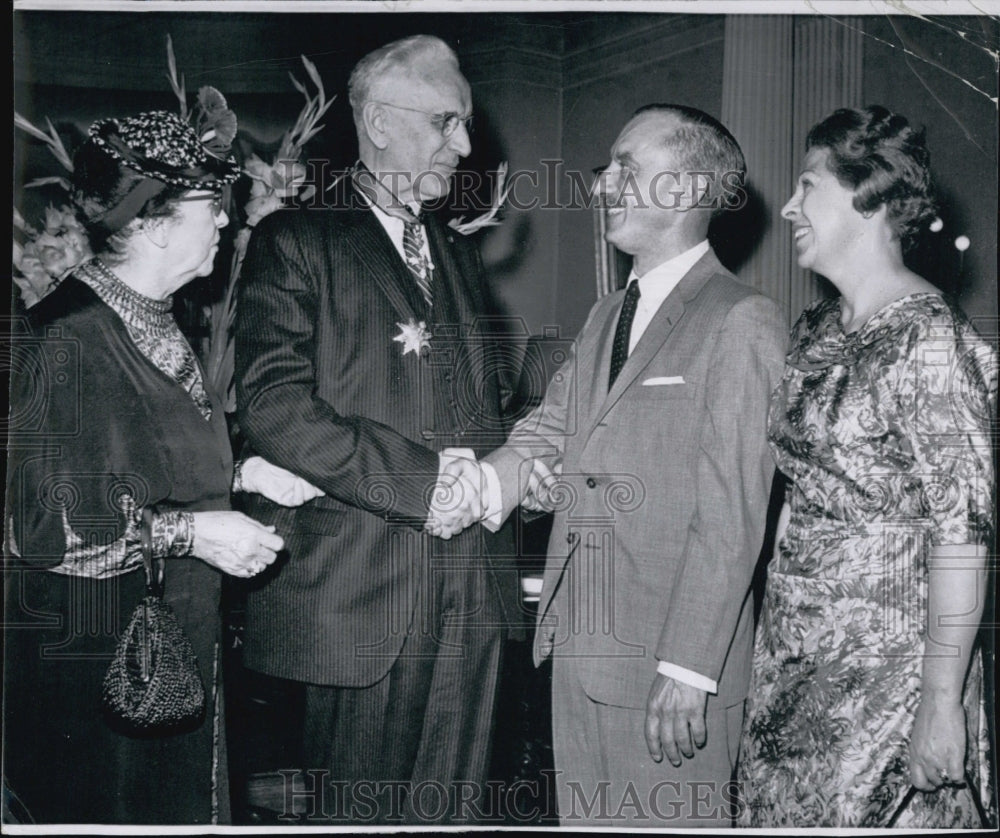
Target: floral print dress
[[884, 434]]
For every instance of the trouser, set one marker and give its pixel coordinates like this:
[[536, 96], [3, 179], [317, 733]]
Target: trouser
[[414, 748], [605, 776]]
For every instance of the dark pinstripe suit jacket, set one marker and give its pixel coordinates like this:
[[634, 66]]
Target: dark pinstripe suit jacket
[[324, 391]]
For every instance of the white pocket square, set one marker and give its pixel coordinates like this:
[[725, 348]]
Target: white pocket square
[[663, 379]]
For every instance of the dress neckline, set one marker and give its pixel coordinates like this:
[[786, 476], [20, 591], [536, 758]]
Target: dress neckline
[[819, 339], [880, 314]]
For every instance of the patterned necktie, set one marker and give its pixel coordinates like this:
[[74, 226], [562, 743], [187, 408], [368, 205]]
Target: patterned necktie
[[619, 349], [413, 244]]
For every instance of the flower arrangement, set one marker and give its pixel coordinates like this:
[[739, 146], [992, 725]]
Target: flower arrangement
[[49, 254], [272, 184]]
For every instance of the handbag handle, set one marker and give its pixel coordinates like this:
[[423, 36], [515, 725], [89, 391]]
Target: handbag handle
[[153, 567], [973, 792]]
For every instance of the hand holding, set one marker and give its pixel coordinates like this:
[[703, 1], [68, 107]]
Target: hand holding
[[275, 483], [542, 482], [675, 719], [458, 500], [937, 745], [233, 543]]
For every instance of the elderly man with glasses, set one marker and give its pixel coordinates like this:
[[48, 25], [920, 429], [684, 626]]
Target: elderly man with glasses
[[358, 369]]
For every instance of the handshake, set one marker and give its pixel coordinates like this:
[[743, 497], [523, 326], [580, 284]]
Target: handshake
[[468, 492]]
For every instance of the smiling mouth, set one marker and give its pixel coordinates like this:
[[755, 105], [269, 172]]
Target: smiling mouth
[[799, 233]]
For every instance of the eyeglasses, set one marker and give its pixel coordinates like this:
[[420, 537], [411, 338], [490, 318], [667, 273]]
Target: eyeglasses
[[217, 199], [448, 122]]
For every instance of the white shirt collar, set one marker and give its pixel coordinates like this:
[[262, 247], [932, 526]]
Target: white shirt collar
[[382, 215], [655, 286], [393, 226], [657, 283]]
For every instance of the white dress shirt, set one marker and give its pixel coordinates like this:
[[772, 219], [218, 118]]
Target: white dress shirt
[[655, 286], [393, 225]]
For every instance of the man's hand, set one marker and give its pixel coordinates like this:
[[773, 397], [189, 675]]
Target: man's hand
[[275, 483], [459, 496], [675, 719], [542, 483]]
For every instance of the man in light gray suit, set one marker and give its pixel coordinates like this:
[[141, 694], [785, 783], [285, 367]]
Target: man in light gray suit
[[658, 423]]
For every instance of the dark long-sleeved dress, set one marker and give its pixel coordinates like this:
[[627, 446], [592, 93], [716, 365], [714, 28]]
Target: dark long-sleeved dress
[[109, 416]]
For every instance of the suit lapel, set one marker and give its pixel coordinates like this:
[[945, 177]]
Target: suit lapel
[[453, 278], [378, 254], [602, 363], [656, 334]]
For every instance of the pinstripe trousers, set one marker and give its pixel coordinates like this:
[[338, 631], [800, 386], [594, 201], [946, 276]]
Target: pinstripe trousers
[[403, 750]]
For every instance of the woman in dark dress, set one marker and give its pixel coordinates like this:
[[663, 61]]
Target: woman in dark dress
[[112, 430], [867, 707]]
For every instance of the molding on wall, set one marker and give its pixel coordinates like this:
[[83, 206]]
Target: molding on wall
[[670, 34], [127, 52], [509, 64]]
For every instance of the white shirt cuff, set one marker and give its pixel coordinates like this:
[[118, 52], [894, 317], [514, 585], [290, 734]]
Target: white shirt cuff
[[492, 515], [686, 676]]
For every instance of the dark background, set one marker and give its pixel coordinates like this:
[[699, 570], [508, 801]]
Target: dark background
[[546, 87]]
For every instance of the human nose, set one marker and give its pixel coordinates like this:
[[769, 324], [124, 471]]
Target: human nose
[[790, 211], [609, 183], [459, 141], [222, 219]]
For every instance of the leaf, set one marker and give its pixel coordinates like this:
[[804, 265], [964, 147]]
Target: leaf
[[52, 139], [45, 181], [176, 82], [27, 127], [57, 148], [313, 73], [298, 85]]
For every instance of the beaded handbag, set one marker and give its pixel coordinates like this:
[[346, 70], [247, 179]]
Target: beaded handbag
[[153, 683]]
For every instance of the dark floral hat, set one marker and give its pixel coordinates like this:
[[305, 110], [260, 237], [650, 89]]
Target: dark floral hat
[[161, 145], [165, 151]]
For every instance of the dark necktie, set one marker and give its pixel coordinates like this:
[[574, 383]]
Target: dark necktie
[[413, 242], [619, 349]]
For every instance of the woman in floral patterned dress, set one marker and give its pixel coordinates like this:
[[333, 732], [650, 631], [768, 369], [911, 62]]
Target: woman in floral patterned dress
[[867, 675]]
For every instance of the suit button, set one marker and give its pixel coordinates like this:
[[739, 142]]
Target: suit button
[[591, 483], [571, 538]]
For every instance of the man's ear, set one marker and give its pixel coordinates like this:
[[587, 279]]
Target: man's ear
[[695, 191], [374, 119]]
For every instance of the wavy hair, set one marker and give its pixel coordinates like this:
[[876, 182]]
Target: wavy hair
[[880, 157]]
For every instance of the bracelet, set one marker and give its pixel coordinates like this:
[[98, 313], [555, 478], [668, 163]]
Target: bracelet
[[172, 534]]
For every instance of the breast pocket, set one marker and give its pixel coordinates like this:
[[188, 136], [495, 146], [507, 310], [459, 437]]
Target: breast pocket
[[653, 394]]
